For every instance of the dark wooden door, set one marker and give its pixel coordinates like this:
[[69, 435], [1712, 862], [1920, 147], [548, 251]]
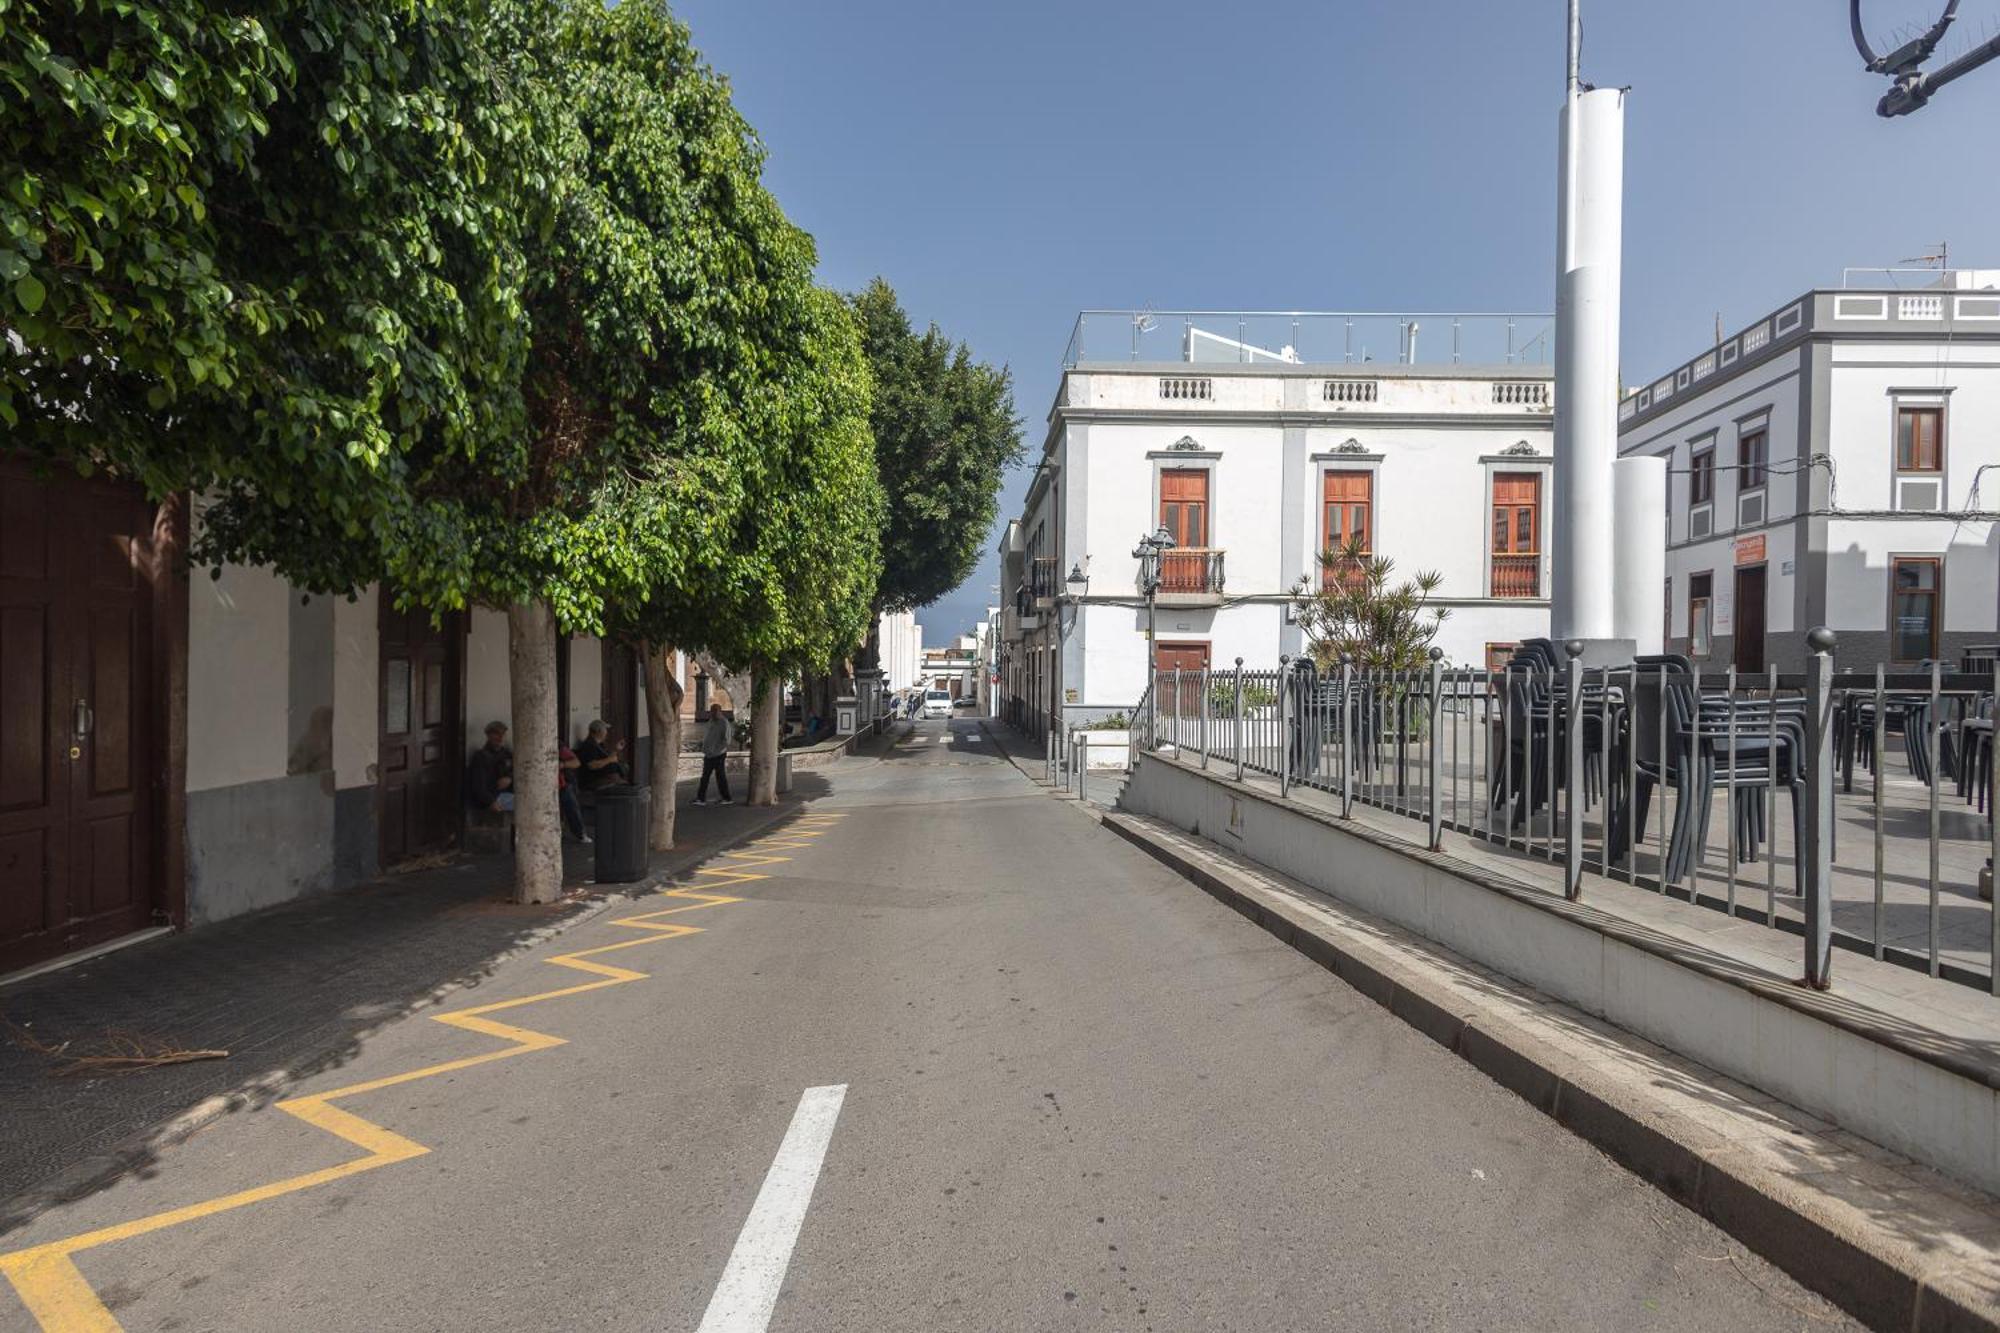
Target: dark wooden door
[[1750, 619], [619, 695], [1189, 657], [76, 715], [422, 743]]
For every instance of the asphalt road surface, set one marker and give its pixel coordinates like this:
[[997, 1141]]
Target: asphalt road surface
[[960, 1060]]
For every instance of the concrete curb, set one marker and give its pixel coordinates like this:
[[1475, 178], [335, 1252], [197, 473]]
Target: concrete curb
[[139, 1150], [1873, 1275]]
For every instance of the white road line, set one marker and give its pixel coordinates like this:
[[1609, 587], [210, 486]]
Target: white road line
[[749, 1288]]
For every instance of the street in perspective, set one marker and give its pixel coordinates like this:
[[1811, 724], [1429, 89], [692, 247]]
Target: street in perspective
[[770, 667]]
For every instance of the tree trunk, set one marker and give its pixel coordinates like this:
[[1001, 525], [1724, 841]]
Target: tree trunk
[[663, 727], [764, 741], [531, 674]]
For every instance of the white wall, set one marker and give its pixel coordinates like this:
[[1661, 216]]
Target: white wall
[[357, 683], [1432, 509], [586, 686], [238, 678], [487, 693]]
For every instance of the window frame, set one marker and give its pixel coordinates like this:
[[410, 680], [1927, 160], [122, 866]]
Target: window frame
[[1701, 614], [1537, 524], [1936, 594], [1935, 411], [1330, 575], [1753, 476], [1701, 468]]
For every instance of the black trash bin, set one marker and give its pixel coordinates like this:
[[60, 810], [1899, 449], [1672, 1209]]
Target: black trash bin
[[621, 833]]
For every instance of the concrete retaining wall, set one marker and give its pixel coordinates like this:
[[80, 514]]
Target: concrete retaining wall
[[1899, 1088]]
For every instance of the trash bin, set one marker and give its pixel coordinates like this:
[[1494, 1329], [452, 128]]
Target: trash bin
[[621, 833]]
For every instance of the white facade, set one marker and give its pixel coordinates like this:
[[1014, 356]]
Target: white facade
[[900, 640], [1828, 381], [1425, 444]]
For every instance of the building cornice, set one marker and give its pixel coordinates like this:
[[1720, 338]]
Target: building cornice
[[1283, 417]]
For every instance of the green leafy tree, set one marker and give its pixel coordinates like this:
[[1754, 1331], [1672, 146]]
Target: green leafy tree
[[1354, 610], [278, 257], [945, 433], [803, 575]]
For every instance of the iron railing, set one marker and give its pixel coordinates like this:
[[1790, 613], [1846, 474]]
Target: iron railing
[[1732, 791], [1190, 570], [1380, 340]]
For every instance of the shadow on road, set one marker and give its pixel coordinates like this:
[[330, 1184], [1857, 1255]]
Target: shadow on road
[[288, 992]]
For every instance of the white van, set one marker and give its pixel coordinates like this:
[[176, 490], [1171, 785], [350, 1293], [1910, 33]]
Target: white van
[[937, 703]]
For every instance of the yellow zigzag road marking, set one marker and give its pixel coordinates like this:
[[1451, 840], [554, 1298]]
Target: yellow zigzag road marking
[[53, 1288]]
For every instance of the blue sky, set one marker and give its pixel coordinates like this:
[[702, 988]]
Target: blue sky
[[1007, 164]]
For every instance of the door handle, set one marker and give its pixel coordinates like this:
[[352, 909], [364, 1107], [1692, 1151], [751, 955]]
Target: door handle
[[84, 718]]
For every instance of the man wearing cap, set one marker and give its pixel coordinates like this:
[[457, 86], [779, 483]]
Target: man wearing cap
[[489, 774]]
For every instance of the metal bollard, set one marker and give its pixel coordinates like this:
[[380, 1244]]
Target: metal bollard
[[1241, 721], [1818, 851], [1284, 730], [1437, 749], [1207, 683], [1347, 738], [1573, 759]]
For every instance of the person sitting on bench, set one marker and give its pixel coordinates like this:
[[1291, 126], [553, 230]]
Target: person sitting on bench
[[489, 774], [602, 766]]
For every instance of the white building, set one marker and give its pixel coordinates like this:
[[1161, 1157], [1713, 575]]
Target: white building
[[1436, 453], [900, 642], [1825, 467]]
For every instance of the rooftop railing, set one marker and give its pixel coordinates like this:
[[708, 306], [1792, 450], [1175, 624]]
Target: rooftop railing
[[1311, 337]]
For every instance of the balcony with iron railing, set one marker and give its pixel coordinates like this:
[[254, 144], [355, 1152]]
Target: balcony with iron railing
[[1517, 575], [1043, 580], [1191, 576]]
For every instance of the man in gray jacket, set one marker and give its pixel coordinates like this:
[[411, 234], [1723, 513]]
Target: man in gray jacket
[[714, 751]]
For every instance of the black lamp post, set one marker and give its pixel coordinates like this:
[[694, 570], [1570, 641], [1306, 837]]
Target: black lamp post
[[1151, 547]]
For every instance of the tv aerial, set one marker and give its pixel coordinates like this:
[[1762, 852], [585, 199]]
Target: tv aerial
[[1911, 86]]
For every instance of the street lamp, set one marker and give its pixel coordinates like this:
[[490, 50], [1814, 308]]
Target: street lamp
[[1151, 547], [1058, 730]]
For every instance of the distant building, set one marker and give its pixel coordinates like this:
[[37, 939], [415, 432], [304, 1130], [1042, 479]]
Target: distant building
[[1825, 467], [1267, 440]]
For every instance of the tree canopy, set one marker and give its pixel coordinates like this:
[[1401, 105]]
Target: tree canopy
[[280, 257], [945, 432]]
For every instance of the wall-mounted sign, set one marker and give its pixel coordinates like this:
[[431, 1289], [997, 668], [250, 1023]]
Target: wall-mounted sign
[[1750, 550], [1785, 568]]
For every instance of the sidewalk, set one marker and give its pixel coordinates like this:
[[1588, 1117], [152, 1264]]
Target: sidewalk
[[1102, 786], [287, 992]]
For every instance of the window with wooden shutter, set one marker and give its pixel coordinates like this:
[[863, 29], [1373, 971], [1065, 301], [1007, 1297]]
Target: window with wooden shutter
[[1517, 534]]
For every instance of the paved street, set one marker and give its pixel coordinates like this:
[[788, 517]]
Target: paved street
[[1078, 1093]]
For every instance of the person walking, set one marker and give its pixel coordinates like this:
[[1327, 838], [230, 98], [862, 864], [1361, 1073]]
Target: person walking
[[714, 753]]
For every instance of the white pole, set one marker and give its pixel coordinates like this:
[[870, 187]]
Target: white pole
[[1589, 245], [1641, 488]]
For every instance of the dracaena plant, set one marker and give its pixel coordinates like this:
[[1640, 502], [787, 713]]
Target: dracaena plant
[[1360, 610]]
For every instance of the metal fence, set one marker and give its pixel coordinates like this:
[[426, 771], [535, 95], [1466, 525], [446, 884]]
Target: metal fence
[[1730, 791]]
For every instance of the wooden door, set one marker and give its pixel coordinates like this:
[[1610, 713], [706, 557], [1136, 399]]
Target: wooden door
[[618, 703], [1169, 657], [1517, 534], [422, 745], [1749, 642], [77, 826], [1184, 514]]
